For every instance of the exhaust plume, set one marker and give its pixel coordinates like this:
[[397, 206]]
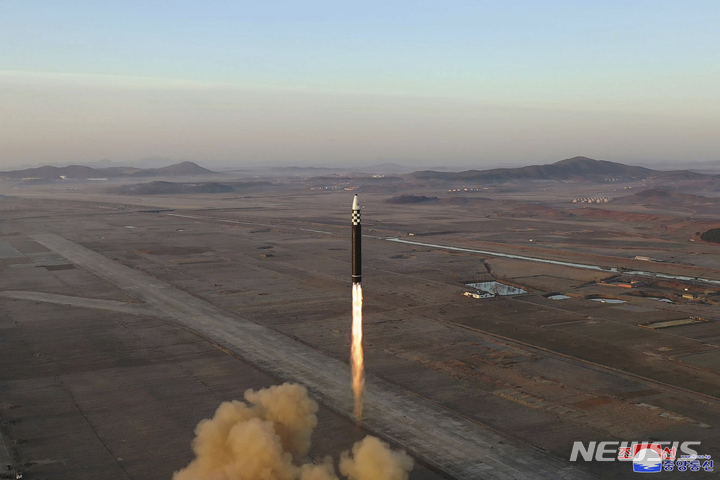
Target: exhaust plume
[[291, 412], [372, 459], [357, 358], [268, 436]]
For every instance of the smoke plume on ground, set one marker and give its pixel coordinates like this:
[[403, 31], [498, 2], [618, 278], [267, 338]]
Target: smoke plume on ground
[[267, 437], [372, 459]]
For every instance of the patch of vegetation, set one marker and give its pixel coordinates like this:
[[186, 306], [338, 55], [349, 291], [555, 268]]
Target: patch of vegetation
[[411, 199], [712, 235]]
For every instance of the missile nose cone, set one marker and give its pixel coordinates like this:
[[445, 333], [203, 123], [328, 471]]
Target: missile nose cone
[[356, 205]]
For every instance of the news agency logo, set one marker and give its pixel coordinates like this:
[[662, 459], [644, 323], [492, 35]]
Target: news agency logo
[[646, 457]]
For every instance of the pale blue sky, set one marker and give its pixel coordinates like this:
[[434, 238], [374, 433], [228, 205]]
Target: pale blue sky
[[452, 82]]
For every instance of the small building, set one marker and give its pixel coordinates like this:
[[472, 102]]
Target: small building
[[478, 295], [624, 283]]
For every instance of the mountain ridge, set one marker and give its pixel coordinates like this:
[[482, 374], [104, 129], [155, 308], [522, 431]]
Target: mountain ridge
[[576, 168], [48, 172]]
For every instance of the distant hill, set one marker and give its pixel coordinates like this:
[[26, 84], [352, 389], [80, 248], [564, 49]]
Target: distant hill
[[84, 172], [48, 172], [577, 168], [119, 171], [177, 170], [665, 197]]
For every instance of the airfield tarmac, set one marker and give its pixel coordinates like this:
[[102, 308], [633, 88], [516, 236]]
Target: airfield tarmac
[[532, 373]]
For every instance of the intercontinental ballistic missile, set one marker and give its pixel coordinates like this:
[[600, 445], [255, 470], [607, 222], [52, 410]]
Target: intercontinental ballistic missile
[[356, 242]]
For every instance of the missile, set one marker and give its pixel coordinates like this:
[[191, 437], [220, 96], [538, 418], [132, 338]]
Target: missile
[[356, 242]]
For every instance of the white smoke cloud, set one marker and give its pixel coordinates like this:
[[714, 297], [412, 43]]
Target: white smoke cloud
[[267, 437]]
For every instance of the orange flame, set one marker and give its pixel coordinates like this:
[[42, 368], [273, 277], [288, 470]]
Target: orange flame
[[356, 352]]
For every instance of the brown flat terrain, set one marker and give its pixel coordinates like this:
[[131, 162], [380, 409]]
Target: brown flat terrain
[[89, 389]]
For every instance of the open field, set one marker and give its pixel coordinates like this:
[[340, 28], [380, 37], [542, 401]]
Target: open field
[[127, 319]]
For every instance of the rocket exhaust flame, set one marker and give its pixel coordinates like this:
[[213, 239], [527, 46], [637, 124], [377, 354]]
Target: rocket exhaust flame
[[356, 351]]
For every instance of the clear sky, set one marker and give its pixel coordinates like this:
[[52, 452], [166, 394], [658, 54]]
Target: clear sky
[[469, 83]]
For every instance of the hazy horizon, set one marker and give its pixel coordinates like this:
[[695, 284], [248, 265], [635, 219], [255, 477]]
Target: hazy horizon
[[459, 85], [158, 162]]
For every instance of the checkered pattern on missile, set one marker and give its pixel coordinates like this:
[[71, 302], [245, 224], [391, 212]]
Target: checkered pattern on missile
[[356, 217]]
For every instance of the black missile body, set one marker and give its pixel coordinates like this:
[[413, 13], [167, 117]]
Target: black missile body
[[356, 242]]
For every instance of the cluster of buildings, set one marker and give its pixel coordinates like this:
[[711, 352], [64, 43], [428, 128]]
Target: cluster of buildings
[[591, 200], [335, 187], [618, 179], [473, 189]]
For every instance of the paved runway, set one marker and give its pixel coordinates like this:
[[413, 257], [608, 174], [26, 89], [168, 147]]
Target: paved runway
[[132, 309], [453, 444]]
